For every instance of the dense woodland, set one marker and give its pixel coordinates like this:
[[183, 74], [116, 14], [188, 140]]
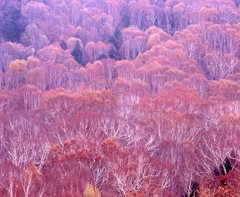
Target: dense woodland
[[119, 98]]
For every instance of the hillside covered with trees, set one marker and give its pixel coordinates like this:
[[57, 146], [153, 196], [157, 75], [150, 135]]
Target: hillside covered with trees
[[119, 98]]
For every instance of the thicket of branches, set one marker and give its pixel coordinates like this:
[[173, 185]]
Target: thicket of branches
[[119, 98]]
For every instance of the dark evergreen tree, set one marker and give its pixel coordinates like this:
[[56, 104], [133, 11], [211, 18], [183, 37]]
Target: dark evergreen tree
[[125, 17], [63, 45], [237, 2], [116, 39], [102, 56], [77, 53], [13, 24], [113, 54], [116, 42]]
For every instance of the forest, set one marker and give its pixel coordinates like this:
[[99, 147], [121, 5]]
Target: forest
[[119, 98]]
